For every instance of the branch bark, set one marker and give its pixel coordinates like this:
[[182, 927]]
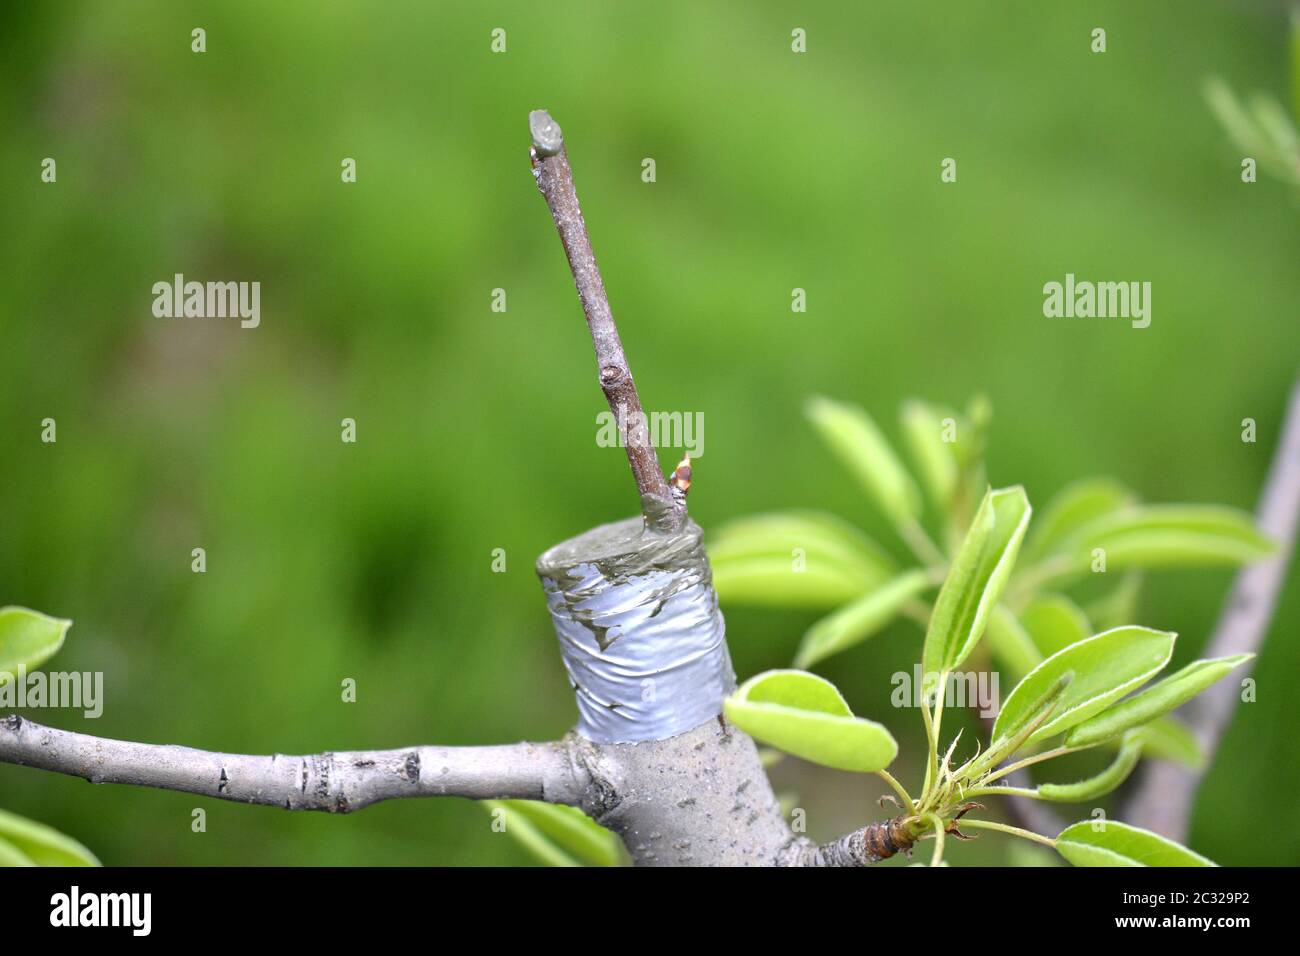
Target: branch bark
[[550, 164], [333, 782], [697, 799], [1162, 799]]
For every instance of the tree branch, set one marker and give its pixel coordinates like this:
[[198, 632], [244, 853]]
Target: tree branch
[[550, 164], [850, 850], [1162, 799], [333, 782], [870, 844], [698, 799]]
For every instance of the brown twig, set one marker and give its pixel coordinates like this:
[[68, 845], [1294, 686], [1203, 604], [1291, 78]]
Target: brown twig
[[555, 180], [1162, 799]]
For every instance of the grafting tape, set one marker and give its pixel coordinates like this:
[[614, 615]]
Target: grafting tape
[[640, 631]]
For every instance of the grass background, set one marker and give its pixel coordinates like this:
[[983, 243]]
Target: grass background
[[475, 429]]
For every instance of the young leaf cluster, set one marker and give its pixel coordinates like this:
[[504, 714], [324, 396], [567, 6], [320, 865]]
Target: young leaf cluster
[[1082, 673]]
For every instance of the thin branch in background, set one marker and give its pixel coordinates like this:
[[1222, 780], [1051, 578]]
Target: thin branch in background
[[1162, 799], [333, 782], [550, 163]]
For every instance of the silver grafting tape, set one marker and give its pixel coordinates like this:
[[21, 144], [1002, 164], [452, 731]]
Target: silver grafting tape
[[640, 631]]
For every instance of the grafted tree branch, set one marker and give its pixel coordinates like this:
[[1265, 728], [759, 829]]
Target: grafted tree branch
[[1162, 799], [555, 180], [334, 782], [698, 797]]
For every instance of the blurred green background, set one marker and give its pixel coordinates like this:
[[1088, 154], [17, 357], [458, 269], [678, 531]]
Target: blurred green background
[[476, 429]]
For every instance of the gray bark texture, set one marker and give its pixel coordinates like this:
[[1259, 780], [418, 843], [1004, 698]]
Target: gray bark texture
[[333, 782], [697, 799]]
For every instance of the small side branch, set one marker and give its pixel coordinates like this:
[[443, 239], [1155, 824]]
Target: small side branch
[[333, 782], [871, 844], [1162, 801], [555, 180]]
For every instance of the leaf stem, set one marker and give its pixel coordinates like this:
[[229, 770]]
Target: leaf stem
[[932, 761], [1030, 761], [939, 694], [1013, 831], [1031, 794], [935, 822]]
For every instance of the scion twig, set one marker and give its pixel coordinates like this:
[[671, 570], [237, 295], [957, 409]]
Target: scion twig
[[550, 163]]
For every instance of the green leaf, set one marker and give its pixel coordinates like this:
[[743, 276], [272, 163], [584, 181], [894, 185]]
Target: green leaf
[[1011, 644], [1171, 536], [1054, 622], [805, 715], [28, 639], [774, 582], [1167, 739], [1105, 668], [10, 855], [934, 458], [1034, 714], [857, 621], [1071, 509], [1130, 752], [559, 835], [43, 845], [522, 829], [975, 581], [1155, 701], [854, 438], [816, 532], [795, 559], [1111, 843]]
